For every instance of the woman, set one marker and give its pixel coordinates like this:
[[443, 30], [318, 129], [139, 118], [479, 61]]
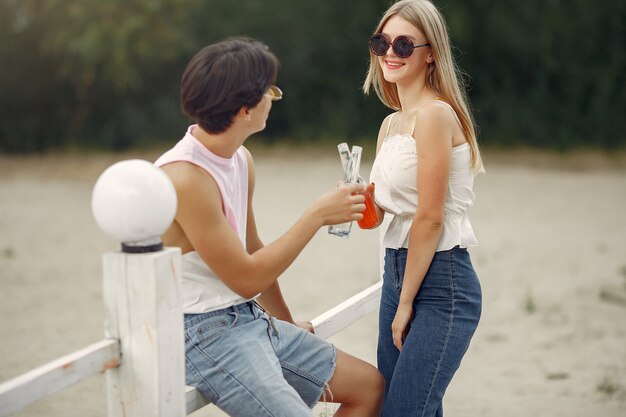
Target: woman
[[427, 156]]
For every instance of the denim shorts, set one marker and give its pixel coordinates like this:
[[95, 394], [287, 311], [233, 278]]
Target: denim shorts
[[250, 364]]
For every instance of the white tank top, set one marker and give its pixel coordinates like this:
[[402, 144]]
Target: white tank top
[[202, 290], [395, 174]]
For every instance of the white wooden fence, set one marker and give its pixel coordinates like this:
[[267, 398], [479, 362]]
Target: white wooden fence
[[143, 350], [142, 354]]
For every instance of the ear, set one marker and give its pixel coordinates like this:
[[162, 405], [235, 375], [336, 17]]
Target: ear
[[430, 59], [244, 113]]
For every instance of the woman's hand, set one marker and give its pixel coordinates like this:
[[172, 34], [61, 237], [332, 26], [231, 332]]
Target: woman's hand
[[401, 324], [369, 189]]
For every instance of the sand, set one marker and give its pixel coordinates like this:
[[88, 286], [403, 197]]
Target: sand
[[551, 260]]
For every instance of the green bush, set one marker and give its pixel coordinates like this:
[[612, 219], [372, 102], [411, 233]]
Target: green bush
[[105, 74]]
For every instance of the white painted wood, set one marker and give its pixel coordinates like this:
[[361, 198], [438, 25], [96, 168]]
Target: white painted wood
[[57, 375], [344, 314], [144, 311], [194, 400]]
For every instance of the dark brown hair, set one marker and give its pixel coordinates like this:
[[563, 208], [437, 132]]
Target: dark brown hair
[[224, 77]]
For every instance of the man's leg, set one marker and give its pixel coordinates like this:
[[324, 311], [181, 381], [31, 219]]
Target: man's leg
[[230, 359], [358, 386], [320, 372]]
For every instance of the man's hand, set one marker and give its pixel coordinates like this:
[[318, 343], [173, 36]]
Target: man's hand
[[306, 325]]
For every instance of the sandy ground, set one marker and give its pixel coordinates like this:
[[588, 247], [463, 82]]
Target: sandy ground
[[552, 262]]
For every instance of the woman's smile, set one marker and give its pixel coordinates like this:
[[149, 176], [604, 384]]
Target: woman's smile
[[393, 64]]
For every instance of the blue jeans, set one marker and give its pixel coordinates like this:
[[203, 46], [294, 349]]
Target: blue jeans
[[446, 312], [249, 364]]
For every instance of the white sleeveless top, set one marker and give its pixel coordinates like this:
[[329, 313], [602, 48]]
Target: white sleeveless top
[[202, 290], [395, 174]]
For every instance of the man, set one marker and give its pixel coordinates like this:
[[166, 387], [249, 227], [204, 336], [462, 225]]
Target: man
[[239, 357]]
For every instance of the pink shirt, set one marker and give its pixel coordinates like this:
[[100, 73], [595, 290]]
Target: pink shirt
[[202, 289]]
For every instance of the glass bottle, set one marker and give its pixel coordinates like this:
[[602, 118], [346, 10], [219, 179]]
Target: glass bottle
[[344, 155], [370, 215], [351, 175]]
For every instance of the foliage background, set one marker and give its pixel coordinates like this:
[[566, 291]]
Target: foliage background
[[82, 74]]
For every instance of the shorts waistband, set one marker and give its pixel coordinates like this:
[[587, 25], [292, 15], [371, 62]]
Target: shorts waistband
[[247, 307]]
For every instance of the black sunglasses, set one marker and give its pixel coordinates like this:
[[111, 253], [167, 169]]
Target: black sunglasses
[[402, 45]]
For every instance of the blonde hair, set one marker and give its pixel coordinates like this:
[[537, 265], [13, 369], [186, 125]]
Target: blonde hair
[[443, 75]]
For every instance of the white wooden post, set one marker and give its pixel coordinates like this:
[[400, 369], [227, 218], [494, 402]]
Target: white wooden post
[[135, 202], [144, 311]]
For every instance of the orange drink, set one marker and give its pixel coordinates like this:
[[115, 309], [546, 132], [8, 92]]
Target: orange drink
[[370, 216]]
